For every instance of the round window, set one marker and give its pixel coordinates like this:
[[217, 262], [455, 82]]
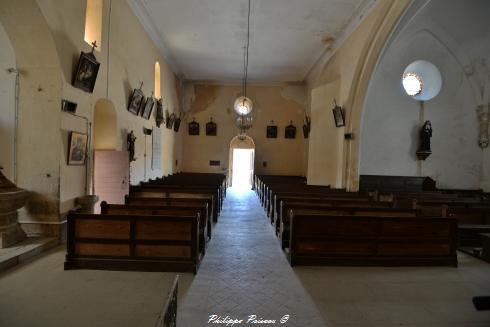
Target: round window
[[422, 80]]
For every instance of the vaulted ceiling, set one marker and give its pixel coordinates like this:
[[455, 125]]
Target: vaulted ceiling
[[204, 39]]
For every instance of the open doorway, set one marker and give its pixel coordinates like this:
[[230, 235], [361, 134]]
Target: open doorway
[[242, 154]]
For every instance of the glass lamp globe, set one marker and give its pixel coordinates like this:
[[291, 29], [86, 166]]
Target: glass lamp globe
[[243, 106]]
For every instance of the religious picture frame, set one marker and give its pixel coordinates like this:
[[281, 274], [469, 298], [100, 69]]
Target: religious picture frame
[[271, 132], [177, 124], [290, 131], [338, 116], [170, 120], [136, 101], [193, 128], [77, 149], [148, 108], [86, 73], [211, 128]]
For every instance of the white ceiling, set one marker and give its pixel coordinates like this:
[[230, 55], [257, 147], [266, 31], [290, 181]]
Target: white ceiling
[[204, 39]]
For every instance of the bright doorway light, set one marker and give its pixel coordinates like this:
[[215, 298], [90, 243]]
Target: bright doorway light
[[242, 168]]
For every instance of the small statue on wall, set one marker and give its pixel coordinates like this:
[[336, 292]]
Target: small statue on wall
[[130, 146], [425, 134]]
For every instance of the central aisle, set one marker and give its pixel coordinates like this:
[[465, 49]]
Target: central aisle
[[245, 273]]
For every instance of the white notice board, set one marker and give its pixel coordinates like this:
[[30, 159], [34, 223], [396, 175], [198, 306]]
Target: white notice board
[[156, 146]]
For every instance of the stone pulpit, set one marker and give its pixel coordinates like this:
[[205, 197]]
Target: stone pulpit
[[12, 198]]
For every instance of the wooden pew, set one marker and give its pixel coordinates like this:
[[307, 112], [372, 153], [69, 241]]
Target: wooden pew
[[132, 242], [341, 209], [367, 240], [162, 192], [168, 315], [173, 211]]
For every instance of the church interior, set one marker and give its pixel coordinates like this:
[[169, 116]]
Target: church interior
[[245, 163]]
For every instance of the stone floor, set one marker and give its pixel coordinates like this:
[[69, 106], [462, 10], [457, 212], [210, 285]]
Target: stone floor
[[245, 273]]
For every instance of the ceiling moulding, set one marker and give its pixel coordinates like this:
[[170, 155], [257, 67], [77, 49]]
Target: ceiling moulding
[[139, 9], [233, 82], [356, 19]]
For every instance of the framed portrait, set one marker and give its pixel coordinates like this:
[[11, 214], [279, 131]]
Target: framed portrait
[[177, 124], [211, 128], [136, 101], [86, 73], [271, 132], [193, 128], [290, 131], [77, 148], [338, 116], [170, 120], [148, 108]]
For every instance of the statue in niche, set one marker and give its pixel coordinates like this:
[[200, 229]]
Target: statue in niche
[[425, 135], [130, 146]]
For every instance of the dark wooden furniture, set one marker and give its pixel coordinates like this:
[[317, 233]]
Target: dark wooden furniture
[[365, 240], [368, 183], [132, 242], [168, 315], [173, 211]]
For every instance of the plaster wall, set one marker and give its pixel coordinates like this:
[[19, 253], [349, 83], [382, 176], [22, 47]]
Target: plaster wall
[[350, 63], [47, 37], [279, 103], [127, 56], [7, 105], [391, 118], [325, 137]]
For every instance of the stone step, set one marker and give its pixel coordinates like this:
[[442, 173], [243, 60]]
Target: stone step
[[25, 250]]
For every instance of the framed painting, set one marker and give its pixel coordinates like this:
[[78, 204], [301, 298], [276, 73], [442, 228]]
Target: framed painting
[[338, 116], [211, 128], [177, 124], [86, 73], [271, 132], [77, 148], [136, 101], [194, 128], [148, 108], [290, 131]]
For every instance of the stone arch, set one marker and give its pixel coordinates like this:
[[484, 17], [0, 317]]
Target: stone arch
[[238, 142], [105, 125]]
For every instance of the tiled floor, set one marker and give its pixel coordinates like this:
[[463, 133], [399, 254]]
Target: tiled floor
[[245, 273]]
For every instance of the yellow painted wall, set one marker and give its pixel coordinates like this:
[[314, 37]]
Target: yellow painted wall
[[325, 137], [279, 103], [352, 65], [48, 36]]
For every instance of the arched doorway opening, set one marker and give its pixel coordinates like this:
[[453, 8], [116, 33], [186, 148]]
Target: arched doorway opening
[[241, 159], [111, 167]]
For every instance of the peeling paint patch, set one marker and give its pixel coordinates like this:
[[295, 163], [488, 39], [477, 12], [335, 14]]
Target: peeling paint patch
[[204, 96]]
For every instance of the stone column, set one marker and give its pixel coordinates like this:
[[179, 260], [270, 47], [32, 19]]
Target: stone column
[[12, 198]]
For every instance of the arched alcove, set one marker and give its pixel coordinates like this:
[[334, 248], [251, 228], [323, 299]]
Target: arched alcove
[[105, 125], [8, 77], [240, 142]]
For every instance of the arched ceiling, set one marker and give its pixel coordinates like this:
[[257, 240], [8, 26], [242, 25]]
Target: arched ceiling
[[203, 39]]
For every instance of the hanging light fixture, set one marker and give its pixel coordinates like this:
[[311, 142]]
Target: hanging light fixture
[[243, 105]]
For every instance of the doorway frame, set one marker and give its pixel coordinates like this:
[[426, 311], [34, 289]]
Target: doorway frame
[[240, 142]]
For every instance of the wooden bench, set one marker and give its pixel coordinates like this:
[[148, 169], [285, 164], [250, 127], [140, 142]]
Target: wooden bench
[[132, 242], [365, 240], [173, 211], [326, 209], [173, 193]]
